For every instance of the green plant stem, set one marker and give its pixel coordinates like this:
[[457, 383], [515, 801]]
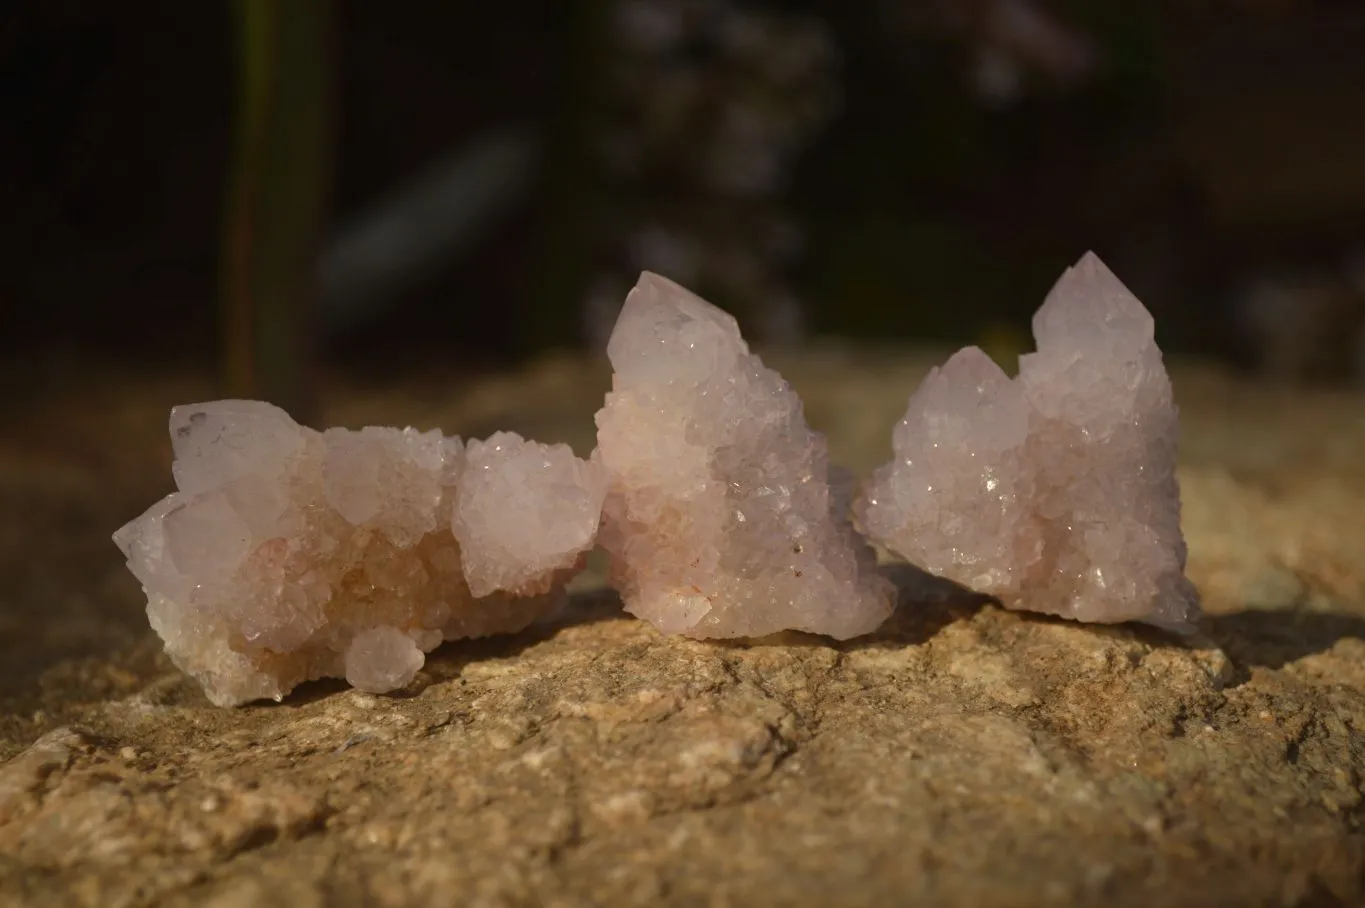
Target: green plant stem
[[280, 160], [568, 231]]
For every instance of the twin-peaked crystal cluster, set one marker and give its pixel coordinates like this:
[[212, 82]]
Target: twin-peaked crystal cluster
[[289, 554], [1055, 491]]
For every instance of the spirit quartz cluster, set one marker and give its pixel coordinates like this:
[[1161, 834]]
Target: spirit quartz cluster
[[722, 520], [1054, 491], [289, 554]]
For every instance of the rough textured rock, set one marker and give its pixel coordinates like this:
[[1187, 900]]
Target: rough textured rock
[[1055, 492], [288, 555], [963, 755], [722, 520]]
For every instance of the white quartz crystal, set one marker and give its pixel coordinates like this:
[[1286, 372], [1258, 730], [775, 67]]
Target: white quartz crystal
[[382, 659], [289, 554], [525, 513], [721, 520], [1056, 491]]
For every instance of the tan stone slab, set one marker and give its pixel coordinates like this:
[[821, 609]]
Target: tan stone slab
[[964, 756]]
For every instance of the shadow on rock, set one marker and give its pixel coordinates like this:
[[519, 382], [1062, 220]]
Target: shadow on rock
[[450, 658], [925, 604], [1272, 639], [306, 693], [587, 607]]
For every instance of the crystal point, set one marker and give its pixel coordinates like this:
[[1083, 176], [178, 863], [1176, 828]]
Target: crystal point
[[721, 520]]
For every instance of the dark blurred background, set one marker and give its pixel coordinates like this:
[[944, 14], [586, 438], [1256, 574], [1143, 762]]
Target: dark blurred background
[[474, 183], [428, 213]]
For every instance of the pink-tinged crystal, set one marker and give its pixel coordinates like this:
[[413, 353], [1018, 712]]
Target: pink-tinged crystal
[[721, 520], [289, 554], [1056, 491]]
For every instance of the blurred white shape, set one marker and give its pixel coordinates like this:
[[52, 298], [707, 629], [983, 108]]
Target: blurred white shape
[[420, 228]]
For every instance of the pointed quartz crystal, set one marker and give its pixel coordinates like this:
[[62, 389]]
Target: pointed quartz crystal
[[721, 520]]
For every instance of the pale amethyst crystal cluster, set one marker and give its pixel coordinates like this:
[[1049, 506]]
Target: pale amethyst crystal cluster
[[721, 520], [1055, 491], [289, 554]]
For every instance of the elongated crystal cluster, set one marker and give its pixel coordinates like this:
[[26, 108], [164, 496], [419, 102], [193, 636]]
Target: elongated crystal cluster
[[721, 520], [1056, 491], [289, 554]]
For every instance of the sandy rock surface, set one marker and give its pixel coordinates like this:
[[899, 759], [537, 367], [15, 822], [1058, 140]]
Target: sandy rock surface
[[963, 756]]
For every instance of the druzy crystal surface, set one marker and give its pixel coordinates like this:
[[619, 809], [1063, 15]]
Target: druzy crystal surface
[[721, 520], [1055, 491], [289, 554]]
